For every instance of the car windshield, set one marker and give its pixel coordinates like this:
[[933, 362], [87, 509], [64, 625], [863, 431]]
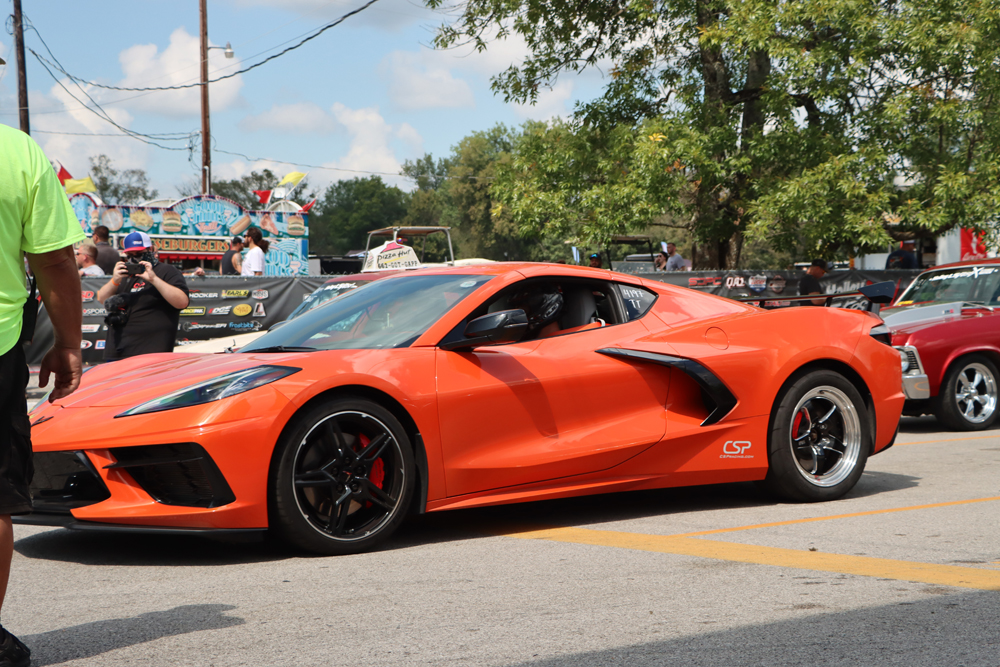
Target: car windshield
[[976, 284], [325, 293], [386, 313]]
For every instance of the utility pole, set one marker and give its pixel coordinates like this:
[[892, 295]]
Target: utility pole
[[22, 77], [206, 140]]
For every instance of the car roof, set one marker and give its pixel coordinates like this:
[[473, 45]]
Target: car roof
[[968, 262]]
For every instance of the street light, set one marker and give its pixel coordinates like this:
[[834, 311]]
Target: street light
[[206, 150]]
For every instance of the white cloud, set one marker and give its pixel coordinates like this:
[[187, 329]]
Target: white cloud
[[421, 80], [299, 118], [550, 103], [58, 133], [371, 146], [385, 14], [144, 65]]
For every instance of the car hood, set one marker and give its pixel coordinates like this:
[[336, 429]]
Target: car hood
[[909, 319], [139, 379]]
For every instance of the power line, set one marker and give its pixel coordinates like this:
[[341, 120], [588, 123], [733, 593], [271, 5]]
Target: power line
[[316, 34]]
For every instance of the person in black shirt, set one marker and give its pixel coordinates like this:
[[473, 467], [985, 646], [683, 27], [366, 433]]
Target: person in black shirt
[[809, 283], [144, 309], [107, 256], [232, 260], [902, 257]]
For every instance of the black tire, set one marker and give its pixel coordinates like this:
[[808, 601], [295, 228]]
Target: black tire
[[819, 440], [344, 478], [967, 398]]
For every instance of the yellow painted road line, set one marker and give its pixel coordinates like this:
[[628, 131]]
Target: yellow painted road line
[[928, 573], [836, 516], [934, 442]]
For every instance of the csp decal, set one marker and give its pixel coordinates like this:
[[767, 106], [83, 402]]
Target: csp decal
[[242, 309], [193, 310], [235, 293], [736, 449]]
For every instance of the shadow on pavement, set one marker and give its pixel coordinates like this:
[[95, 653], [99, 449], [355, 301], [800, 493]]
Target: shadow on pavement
[[91, 639], [95, 548], [894, 634]]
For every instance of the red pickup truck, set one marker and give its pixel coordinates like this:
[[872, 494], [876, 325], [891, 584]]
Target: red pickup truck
[[946, 326]]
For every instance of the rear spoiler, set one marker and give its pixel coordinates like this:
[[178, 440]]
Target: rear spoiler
[[877, 295]]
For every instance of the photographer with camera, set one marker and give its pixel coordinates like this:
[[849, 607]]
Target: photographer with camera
[[144, 299]]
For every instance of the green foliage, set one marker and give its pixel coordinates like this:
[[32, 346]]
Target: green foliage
[[126, 187], [241, 190], [820, 125], [352, 208]]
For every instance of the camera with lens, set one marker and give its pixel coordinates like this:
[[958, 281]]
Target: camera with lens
[[117, 311], [135, 269]]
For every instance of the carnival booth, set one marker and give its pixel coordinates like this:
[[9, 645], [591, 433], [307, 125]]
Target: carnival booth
[[195, 231]]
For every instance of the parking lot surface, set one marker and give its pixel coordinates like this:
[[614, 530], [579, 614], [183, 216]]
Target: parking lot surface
[[903, 571]]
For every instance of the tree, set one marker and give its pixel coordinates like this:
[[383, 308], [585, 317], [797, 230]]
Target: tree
[[126, 187], [352, 208], [241, 190], [825, 122]]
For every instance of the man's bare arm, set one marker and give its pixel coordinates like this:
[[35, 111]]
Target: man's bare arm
[[59, 284]]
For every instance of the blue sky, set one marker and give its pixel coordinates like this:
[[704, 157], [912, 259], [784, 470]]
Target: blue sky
[[364, 96]]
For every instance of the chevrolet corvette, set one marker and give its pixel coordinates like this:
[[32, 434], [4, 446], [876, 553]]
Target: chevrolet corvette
[[463, 387]]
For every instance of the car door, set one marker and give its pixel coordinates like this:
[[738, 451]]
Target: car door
[[547, 408]]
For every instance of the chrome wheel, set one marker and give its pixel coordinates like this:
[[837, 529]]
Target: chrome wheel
[[826, 436], [976, 393], [348, 474]]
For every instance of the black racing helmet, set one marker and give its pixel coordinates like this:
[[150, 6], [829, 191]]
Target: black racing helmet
[[541, 304]]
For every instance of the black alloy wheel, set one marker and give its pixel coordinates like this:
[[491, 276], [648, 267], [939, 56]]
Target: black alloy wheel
[[819, 440], [344, 478]]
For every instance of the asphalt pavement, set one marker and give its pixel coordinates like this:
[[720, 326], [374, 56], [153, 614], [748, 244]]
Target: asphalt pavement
[[903, 571]]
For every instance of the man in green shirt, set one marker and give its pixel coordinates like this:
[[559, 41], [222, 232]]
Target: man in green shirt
[[37, 221]]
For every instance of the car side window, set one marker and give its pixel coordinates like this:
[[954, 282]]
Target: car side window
[[555, 306], [637, 300]]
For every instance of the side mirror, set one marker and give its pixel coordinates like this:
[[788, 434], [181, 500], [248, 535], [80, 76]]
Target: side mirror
[[504, 326], [880, 293]]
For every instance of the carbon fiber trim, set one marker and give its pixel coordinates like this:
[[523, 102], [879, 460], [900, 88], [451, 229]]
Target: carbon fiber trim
[[719, 401]]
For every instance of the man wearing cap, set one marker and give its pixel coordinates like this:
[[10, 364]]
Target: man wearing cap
[[232, 260], [595, 261], [144, 308], [809, 283]]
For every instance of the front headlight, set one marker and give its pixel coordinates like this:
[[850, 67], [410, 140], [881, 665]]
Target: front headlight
[[904, 359], [214, 390]]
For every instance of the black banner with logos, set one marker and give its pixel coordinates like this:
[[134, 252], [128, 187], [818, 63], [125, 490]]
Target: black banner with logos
[[219, 306], [742, 284]]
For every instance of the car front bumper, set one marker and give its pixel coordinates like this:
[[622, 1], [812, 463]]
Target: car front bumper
[[915, 383]]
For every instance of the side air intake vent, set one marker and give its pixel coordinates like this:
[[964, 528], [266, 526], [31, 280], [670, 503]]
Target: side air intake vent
[[178, 474], [64, 481]]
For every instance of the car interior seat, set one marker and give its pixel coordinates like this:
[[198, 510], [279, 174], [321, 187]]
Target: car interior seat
[[579, 310]]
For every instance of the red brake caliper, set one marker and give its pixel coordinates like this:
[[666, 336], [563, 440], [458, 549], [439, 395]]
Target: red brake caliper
[[377, 475]]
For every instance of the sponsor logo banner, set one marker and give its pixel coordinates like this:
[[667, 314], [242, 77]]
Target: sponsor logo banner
[[84, 344], [193, 310], [258, 310], [259, 294], [94, 312], [196, 294], [757, 284], [194, 326], [251, 325], [220, 310], [777, 284], [242, 309], [99, 345], [86, 296], [235, 293], [90, 328]]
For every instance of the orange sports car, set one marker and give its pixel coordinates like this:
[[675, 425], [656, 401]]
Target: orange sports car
[[469, 386]]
